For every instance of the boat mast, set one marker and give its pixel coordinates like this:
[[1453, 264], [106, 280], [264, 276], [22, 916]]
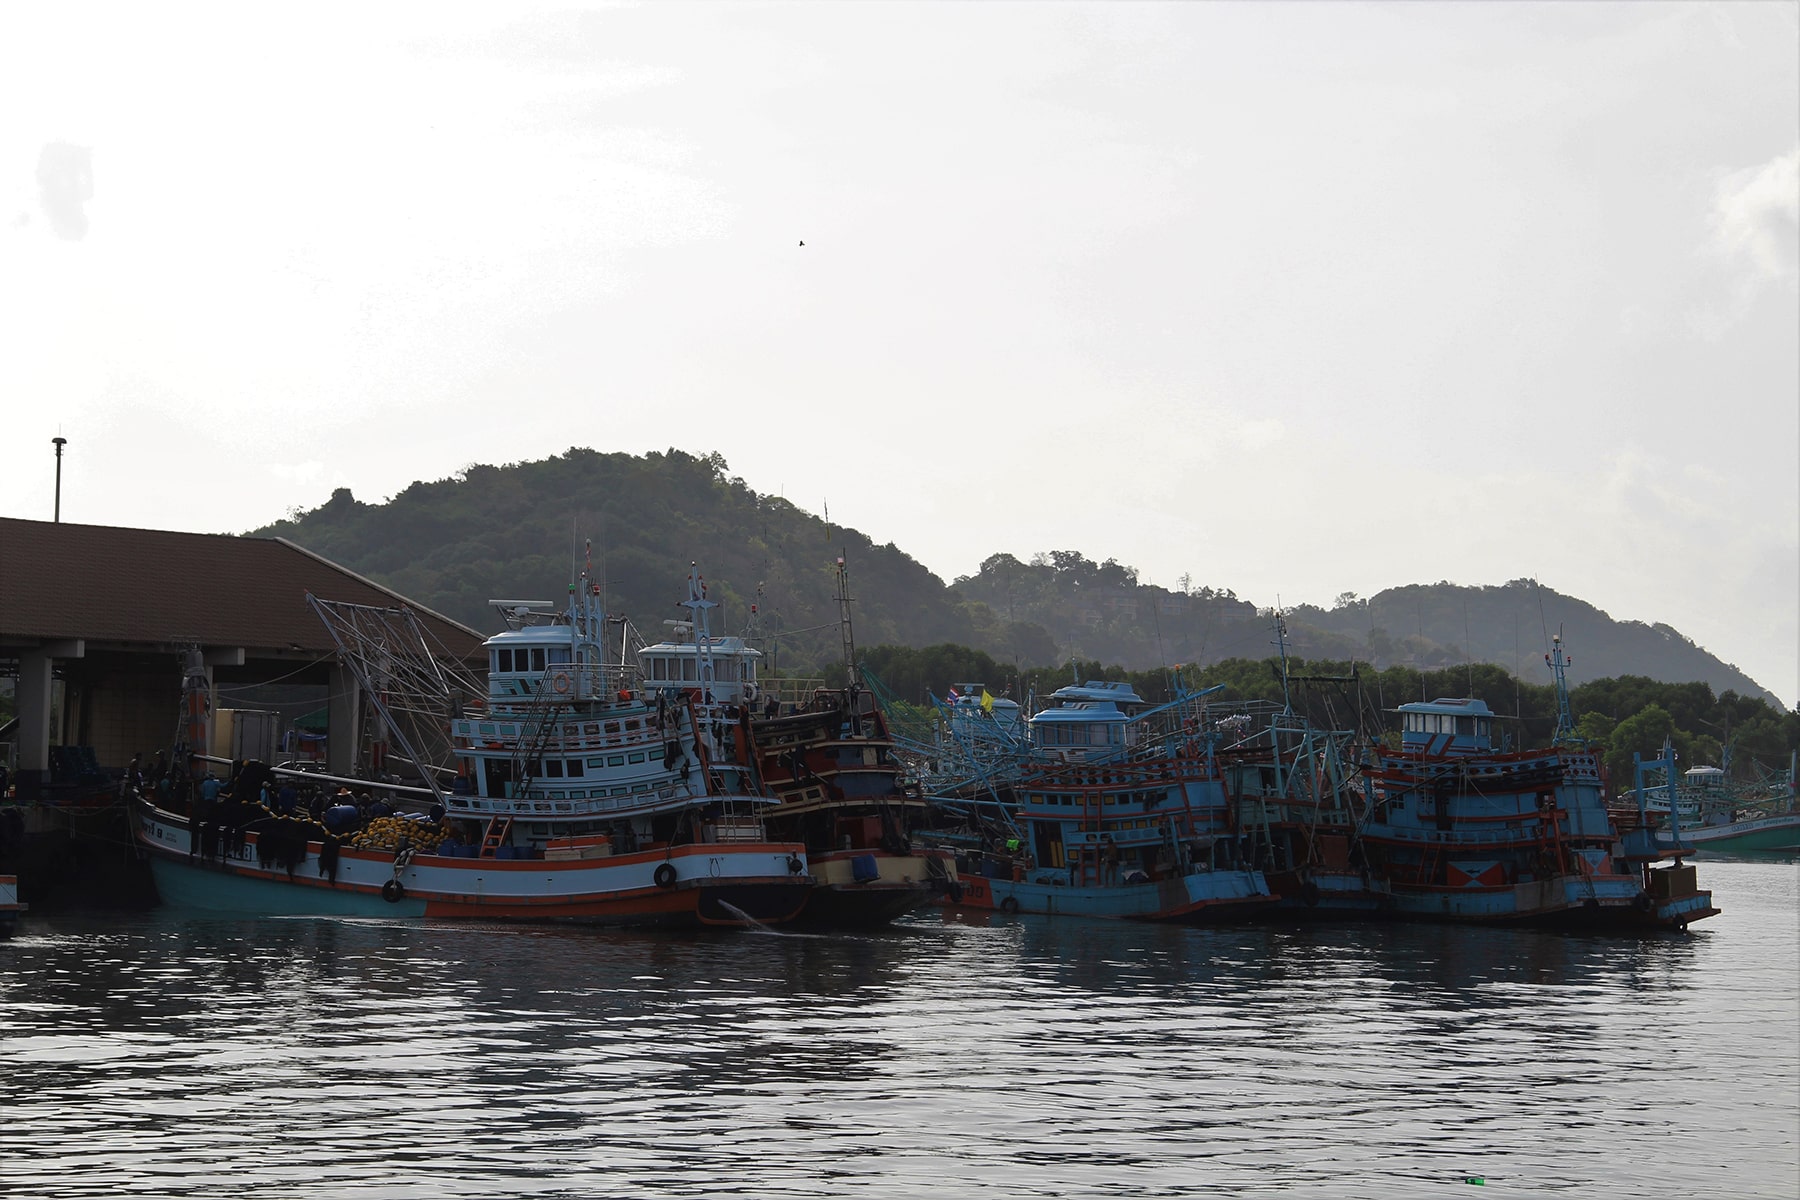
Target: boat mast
[[844, 601], [587, 628], [697, 604], [1287, 703], [1565, 724]]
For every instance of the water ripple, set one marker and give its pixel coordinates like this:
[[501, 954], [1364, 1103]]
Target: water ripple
[[1011, 1057]]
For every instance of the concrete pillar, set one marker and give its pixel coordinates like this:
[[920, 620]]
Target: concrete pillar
[[343, 721], [34, 710]]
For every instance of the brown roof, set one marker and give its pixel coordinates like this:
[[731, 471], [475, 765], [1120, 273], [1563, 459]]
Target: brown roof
[[108, 584]]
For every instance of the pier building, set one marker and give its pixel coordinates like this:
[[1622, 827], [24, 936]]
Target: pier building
[[97, 621]]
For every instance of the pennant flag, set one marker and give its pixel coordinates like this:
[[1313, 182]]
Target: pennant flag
[[987, 701]]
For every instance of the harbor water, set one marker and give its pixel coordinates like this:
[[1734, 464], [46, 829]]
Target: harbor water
[[163, 1054]]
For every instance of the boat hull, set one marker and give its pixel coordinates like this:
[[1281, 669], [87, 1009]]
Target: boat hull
[[1765, 834], [1563, 901], [1322, 894], [693, 885], [864, 888], [1199, 898]]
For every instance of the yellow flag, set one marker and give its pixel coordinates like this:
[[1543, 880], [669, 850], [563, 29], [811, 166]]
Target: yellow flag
[[987, 701]]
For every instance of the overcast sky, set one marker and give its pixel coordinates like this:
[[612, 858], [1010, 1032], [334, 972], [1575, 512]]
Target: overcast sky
[[1292, 299]]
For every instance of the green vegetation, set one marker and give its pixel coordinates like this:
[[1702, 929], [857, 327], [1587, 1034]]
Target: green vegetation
[[516, 531]]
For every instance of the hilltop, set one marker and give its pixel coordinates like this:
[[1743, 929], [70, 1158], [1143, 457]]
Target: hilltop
[[514, 531]]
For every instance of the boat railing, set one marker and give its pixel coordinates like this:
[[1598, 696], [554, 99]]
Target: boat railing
[[1458, 837], [585, 681], [586, 806]]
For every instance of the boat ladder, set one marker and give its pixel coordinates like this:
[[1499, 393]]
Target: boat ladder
[[498, 828]]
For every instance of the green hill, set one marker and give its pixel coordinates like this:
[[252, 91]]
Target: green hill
[[516, 531]]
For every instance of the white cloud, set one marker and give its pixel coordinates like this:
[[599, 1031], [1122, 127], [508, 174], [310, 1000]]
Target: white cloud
[[1756, 217]]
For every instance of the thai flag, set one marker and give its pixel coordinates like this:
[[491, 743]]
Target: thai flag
[[953, 696]]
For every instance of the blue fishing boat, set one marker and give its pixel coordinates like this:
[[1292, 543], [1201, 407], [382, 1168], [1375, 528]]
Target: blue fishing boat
[[1300, 804], [1464, 830], [1118, 811]]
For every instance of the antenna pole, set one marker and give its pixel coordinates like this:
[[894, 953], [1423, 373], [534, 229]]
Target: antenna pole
[[844, 600], [1287, 701], [59, 443]]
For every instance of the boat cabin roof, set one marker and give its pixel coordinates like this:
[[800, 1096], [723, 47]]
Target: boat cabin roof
[[735, 646], [1466, 706], [1084, 712], [1114, 691], [531, 635]]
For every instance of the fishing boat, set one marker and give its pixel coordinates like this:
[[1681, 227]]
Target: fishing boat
[[10, 907], [1299, 802], [829, 762], [844, 795], [1464, 830], [1121, 812], [578, 796], [1714, 814]]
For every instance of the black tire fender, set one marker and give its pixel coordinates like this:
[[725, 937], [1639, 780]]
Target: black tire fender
[[794, 865], [1309, 894], [1009, 905], [665, 875], [393, 891]]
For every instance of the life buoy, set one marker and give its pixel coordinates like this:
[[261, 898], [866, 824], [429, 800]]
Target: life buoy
[[561, 682], [665, 875], [794, 865], [393, 891], [1009, 905]]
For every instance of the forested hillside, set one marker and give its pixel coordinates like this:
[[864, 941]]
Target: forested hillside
[[1101, 612], [1511, 625], [518, 532], [515, 531]]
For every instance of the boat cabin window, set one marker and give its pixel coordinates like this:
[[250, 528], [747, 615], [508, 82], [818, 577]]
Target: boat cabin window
[[1465, 726], [559, 654], [524, 659], [1080, 734]]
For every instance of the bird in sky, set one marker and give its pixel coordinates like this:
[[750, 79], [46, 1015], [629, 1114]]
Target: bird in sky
[[803, 243]]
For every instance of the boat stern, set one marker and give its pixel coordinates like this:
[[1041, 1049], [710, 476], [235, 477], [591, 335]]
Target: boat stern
[[1673, 898]]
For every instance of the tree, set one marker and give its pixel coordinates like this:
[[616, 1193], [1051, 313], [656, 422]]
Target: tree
[[1638, 736]]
